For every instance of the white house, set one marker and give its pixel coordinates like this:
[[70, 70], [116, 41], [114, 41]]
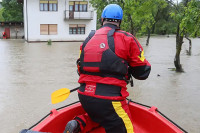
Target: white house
[[0, 4], [58, 20]]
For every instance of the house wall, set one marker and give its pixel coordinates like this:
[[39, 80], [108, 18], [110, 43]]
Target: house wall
[[36, 17], [0, 3]]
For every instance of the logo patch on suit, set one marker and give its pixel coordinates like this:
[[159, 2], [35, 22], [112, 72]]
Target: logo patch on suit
[[102, 45], [90, 88]]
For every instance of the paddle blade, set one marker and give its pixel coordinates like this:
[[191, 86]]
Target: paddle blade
[[59, 95]]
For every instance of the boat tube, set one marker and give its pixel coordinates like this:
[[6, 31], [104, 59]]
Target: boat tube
[[146, 119]]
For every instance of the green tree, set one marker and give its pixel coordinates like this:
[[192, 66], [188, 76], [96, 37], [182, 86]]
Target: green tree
[[1, 17], [191, 22], [164, 24], [187, 17], [13, 11], [139, 16], [147, 14], [99, 6]]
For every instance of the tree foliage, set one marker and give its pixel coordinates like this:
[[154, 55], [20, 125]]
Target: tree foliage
[[190, 23], [1, 17], [139, 15], [13, 11], [186, 15]]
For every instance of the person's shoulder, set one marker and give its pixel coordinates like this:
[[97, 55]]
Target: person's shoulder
[[126, 34]]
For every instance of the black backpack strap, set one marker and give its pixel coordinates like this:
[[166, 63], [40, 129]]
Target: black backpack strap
[[88, 38], [111, 42]]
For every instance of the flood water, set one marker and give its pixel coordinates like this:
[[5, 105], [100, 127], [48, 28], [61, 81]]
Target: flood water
[[30, 72]]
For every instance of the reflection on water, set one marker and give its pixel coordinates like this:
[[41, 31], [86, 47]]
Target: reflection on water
[[31, 72]]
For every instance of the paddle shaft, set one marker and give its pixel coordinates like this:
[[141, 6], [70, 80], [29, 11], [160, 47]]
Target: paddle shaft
[[74, 89]]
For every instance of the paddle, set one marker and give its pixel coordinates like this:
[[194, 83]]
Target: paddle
[[61, 94]]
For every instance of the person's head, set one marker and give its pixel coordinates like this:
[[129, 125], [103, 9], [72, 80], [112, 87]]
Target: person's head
[[113, 14]]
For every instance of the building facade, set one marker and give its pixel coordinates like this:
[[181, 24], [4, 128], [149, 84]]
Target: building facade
[[58, 20], [0, 4]]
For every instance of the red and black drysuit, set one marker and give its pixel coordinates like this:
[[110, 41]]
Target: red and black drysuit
[[4, 35], [107, 56]]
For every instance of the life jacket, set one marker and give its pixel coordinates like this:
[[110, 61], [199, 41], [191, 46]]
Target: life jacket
[[98, 55], [4, 34]]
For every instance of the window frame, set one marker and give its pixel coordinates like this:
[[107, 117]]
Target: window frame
[[48, 6], [74, 30], [79, 7]]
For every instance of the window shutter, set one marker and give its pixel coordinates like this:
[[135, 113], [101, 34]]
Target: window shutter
[[73, 25], [81, 25], [52, 29], [43, 1], [83, 2], [53, 1], [44, 29], [71, 3]]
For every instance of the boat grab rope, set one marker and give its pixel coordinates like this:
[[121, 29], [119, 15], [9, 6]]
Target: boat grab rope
[[50, 113], [129, 100]]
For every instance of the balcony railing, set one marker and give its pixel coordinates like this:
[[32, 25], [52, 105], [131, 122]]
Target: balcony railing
[[79, 15]]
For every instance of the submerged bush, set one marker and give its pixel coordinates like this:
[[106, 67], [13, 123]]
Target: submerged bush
[[49, 42]]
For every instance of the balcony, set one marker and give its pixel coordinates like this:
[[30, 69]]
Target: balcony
[[79, 15]]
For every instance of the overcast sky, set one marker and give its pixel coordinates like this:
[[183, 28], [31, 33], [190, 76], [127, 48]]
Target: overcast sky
[[177, 0]]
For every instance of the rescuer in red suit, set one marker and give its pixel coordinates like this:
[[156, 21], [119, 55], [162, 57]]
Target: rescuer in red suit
[[109, 58], [4, 35]]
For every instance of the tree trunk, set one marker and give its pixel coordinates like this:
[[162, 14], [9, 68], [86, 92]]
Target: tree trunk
[[16, 35], [153, 28], [148, 37], [190, 45], [179, 42], [132, 28]]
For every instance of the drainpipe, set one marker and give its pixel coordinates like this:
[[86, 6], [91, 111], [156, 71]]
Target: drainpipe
[[27, 19], [65, 10], [65, 5]]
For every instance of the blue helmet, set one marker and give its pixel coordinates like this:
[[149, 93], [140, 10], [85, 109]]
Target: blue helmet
[[112, 11]]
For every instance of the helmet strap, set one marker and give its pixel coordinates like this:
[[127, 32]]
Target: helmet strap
[[120, 23], [102, 21], [110, 20]]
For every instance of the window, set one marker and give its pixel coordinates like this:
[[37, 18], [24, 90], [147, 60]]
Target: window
[[48, 5], [83, 6], [78, 6], [52, 29], [44, 29], [76, 29], [71, 6], [48, 29]]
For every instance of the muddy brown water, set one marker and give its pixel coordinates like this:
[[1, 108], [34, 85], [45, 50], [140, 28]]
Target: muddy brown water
[[30, 72]]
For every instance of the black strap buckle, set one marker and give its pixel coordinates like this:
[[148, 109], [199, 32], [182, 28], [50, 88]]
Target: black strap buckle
[[129, 80]]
